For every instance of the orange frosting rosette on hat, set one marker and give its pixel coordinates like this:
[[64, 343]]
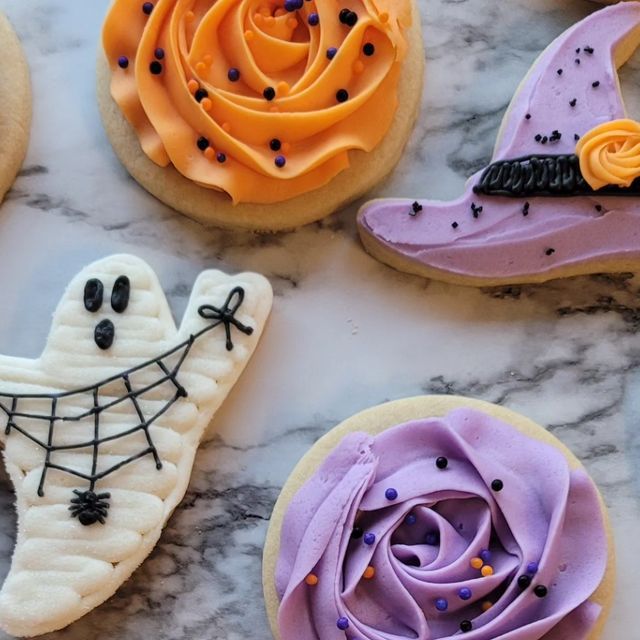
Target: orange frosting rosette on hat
[[610, 154], [261, 99]]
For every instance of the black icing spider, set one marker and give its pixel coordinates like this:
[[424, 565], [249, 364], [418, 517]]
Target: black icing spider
[[89, 507]]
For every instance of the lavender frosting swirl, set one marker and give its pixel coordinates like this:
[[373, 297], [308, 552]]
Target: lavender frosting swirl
[[391, 503]]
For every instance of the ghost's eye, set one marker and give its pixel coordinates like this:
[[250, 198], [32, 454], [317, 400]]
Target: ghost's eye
[[93, 294], [120, 294]]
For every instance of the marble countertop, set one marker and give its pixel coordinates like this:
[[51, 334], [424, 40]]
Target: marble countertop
[[346, 332]]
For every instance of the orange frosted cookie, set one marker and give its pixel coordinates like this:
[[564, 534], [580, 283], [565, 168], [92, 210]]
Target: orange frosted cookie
[[260, 114]]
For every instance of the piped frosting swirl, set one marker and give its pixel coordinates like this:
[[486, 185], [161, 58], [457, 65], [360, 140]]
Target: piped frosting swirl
[[442, 526], [262, 99]]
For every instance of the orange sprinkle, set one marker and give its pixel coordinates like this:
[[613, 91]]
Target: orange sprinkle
[[279, 13], [206, 104], [226, 126], [283, 88], [189, 16], [249, 35], [311, 580], [258, 18], [193, 85], [476, 563], [292, 23], [358, 66], [208, 58], [286, 147], [486, 605], [369, 572], [266, 12], [270, 21], [384, 17], [209, 153], [487, 571], [200, 67]]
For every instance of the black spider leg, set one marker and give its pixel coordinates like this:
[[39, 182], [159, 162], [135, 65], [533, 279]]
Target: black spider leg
[[10, 422], [144, 425], [49, 447], [226, 314]]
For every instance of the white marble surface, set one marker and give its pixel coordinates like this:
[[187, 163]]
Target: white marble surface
[[346, 332]]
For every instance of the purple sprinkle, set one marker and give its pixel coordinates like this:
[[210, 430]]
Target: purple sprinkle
[[313, 19], [411, 519], [465, 593], [432, 538], [331, 52], [293, 5], [147, 8], [123, 62], [369, 538], [391, 494], [442, 604], [233, 74], [342, 624], [280, 161], [485, 554], [221, 157], [159, 53], [532, 568]]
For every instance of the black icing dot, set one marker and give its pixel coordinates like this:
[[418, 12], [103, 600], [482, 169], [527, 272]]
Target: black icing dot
[[599, 208], [342, 95], [550, 251], [202, 143], [559, 72], [269, 93], [574, 102], [368, 49], [155, 67], [497, 485], [589, 50], [541, 591], [576, 137], [577, 60], [524, 581], [538, 138], [466, 626], [454, 225], [595, 84], [528, 116]]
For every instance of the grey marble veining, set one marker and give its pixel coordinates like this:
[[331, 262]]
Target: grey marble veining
[[346, 332]]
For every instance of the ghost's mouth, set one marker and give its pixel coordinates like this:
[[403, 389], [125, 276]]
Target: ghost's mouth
[[40, 424]]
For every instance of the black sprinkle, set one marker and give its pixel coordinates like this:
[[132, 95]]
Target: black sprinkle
[[454, 225], [576, 137], [559, 72], [538, 138], [466, 626], [368, 49], [155, 67], [589, 50], [416, 208], [357, 533], [524, 581], [200, 95], [528, 116], [202, 143], [269, 93], [550, 251], [577, 60], [275, 144], [574, 102], [599, 208], [544, 140], [595, 84], [342, 95], [541, 591], [497, 485], [578, 50]]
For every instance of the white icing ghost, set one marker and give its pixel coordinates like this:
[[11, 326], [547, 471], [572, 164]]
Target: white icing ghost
[[100, 433]]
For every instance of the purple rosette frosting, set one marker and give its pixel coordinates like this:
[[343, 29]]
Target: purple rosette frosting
[[439, 528]]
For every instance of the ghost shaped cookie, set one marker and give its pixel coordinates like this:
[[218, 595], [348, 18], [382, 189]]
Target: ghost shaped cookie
[[101, 431]]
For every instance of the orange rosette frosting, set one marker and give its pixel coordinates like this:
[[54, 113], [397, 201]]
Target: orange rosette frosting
[[261, 99], [610, 154]]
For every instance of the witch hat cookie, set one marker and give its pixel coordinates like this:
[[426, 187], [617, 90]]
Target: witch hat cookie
[[561, 196], [101, 431]]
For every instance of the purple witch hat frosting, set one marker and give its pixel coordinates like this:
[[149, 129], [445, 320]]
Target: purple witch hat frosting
[[550, 204]]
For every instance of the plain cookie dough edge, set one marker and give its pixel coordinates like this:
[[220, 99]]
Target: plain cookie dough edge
[[210, 207], [16, 103], [376, 420]]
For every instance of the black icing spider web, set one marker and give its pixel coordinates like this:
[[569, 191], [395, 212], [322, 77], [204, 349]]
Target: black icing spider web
[[88, 506]]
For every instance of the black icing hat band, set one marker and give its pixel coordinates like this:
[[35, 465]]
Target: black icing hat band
[[543, 175]]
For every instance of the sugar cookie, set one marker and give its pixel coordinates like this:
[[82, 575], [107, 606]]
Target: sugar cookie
[[260, 119], [432, 516], [101, 431], [561, 196]]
